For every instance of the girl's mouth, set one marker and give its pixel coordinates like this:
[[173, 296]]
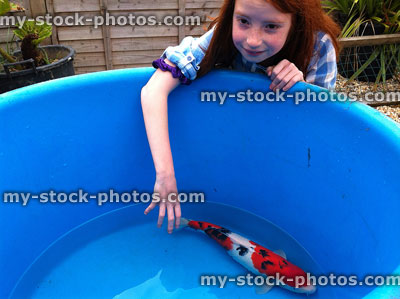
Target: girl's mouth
[[253, 53]]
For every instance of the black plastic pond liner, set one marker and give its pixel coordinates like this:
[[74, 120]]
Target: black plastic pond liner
[[63, 67]]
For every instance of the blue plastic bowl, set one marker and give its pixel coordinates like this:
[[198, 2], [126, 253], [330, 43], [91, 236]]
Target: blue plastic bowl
[[327, 173]]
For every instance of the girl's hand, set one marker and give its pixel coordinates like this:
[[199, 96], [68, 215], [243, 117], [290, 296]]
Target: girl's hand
[[165, 194], [284, 75]]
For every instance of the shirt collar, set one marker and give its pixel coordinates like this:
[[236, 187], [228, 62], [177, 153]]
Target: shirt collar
[[252, 66]]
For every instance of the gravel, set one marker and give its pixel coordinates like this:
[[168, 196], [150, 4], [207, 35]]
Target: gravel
[[391, 111], [360, 89]]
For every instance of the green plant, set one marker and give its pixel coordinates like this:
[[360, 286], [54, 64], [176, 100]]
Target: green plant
[[5, 7], [31, 34], [10, 47], [357, 14]]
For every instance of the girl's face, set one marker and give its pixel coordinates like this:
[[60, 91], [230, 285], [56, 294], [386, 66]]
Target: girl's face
[[259, 30]]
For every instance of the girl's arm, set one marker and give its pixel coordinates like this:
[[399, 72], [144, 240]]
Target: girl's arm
[[322, 70], [154, 96], [186, 56]]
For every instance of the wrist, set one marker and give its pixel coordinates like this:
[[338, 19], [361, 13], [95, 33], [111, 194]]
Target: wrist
[[165, 175]]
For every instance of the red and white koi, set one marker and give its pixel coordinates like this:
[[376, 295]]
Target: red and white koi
[[255, 258]]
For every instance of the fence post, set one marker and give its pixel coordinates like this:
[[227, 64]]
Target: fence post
[[181, 12], [38, 8], [50, 10], [106, 35]]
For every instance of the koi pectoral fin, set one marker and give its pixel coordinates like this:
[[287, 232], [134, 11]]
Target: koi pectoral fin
[[265, 288], [184, 223]]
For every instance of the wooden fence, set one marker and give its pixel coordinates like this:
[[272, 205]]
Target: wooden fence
[[113, 47]]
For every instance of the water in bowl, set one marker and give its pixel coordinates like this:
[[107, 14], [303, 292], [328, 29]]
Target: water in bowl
[[122, 254]]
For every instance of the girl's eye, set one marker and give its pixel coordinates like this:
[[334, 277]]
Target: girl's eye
[[243, 21], [271, 26]]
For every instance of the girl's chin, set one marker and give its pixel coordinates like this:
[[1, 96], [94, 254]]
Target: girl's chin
[[255, 59]]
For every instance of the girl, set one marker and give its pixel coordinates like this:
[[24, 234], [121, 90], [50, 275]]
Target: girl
[[288, 40]]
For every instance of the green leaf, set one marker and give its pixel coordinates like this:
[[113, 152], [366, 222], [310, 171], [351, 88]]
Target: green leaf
[[385, 12], [43, 30], [364, 66], [16, 7], [352, 27], [383, 67], [5, 7], [377, 19]]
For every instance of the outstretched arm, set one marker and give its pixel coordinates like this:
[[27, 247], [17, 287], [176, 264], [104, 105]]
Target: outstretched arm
[[154, 98]]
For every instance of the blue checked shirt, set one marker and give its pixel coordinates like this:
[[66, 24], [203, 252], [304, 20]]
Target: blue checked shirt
[[321, 71]]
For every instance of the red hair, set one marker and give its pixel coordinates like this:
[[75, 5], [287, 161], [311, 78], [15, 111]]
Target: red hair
[[308, 17]]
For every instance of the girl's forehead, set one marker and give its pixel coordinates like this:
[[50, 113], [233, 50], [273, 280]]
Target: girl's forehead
[[260, 10]]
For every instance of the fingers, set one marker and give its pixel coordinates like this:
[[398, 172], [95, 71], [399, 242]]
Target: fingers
[[173, 213], [279, 72], [177, 215], [170, 210], [296, 78], [150, 207], [289, 80], [280, 79], [284, 75], [166, 196], [161, 214]]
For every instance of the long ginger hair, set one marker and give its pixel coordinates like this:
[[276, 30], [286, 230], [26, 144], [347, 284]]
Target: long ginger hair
[[308, 17]]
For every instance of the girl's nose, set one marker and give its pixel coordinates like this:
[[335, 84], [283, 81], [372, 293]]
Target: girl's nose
[[254, 38]]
